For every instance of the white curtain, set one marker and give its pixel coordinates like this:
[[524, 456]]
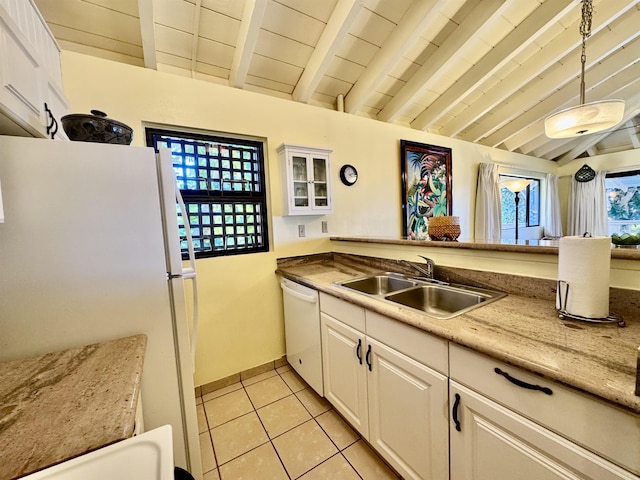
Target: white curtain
[[588, 207], [488, 205], [552, 222]]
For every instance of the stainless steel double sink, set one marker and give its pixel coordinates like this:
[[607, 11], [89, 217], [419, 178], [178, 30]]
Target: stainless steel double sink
[[437, 299]]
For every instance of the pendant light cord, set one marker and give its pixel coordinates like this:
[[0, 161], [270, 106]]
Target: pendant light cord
[[585, 31]]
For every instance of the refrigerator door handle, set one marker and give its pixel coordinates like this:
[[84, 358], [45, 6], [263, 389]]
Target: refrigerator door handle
[[190, 274]]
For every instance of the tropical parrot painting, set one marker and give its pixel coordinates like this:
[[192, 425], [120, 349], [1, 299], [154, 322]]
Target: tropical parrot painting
[[426, 182]]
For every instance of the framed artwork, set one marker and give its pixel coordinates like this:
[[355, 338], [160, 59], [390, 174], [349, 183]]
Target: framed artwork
[[426, 186]]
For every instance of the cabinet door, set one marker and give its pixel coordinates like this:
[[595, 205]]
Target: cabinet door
[[301, 193], [321, 193], [495, 443], [408, 421], [344, 372]]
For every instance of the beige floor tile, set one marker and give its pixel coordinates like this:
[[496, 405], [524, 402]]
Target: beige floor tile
[[294, 381], [206, 452], [368, 465], [203, 426], [238, 436], [225, 408], [338, 430], [313, 402], [336, 468], [283, 415], [303, 448], [198, 400], [212, 475], [258, 378], [284, 368], [221, 391], [260, 463], [267, 391]]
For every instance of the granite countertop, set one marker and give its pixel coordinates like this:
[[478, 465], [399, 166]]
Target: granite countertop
[[548, 247], [60, 405], [520, 330]]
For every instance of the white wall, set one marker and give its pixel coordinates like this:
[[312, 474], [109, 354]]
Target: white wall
[[241, 314]]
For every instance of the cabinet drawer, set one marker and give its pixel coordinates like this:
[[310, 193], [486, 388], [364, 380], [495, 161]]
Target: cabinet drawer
[[598, 426], [344, 311], [412, 342]]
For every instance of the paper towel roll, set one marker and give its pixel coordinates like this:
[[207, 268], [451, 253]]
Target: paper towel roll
[[583, 262]]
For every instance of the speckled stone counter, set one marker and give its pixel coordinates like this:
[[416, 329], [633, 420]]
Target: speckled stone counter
[[61, 405], [548, 247], [522, 329]]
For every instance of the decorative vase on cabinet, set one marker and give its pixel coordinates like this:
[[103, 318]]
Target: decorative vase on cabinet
[[306, 180]]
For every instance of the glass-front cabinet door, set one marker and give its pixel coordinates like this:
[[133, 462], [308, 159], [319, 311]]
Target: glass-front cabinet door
[[306, 180]]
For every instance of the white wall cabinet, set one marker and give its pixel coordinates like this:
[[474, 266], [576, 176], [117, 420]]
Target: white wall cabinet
[[31, 95], [396, 402], [306, 180]]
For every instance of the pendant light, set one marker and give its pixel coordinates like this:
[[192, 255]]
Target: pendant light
[[587, 117]]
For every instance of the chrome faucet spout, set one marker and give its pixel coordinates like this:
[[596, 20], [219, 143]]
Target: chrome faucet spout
[[428, 272]]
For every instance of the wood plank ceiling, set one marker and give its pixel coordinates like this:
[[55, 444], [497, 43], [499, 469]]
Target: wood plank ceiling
[[485, 71]]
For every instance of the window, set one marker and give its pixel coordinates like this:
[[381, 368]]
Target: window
[[623, 202], [222, 181], [528, 205]]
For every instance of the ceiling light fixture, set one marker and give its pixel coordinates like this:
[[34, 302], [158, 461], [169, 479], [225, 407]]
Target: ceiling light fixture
[[587, 117]]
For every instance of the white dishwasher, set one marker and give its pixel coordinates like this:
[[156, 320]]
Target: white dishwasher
[[302, 332]]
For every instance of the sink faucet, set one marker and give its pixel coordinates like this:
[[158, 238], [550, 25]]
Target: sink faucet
[[428, 272]]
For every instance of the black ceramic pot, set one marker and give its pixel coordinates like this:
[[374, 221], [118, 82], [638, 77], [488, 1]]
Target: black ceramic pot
[[96, 128]]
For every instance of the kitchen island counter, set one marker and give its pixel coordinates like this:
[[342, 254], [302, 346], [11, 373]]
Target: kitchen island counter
[[60, 405], [522, 330]]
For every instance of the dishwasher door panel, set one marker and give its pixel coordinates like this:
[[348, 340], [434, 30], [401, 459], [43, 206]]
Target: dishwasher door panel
[[302, 332]]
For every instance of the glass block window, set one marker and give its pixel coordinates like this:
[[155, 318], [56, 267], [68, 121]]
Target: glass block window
[[222, 182]]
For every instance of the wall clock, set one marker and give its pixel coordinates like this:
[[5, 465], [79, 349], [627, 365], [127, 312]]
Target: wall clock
[[348, 175]]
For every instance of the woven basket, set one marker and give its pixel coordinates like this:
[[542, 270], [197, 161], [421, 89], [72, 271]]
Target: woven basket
[[443, 232]]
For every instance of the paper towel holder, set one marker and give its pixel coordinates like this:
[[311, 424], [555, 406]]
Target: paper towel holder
[[562, 313]]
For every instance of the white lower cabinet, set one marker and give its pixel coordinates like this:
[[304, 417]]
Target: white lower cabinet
[[436, 410], [507, 423], [407, 422], [495, 443], [394, 401]]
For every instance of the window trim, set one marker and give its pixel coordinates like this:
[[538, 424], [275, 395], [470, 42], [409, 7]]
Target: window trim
[[223, 196]]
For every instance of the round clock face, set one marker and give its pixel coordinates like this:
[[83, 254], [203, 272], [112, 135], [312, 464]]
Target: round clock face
[[348, 175]]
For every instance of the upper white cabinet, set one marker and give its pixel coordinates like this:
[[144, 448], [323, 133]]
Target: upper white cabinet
[[306, 180], [31, 96]]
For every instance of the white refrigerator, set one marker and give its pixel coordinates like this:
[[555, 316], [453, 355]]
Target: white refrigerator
[[89, 251]]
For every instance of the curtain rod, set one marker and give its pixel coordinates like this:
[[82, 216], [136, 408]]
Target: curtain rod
[[521, 170]]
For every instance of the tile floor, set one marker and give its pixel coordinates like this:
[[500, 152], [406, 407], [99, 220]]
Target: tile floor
[[274, 427]]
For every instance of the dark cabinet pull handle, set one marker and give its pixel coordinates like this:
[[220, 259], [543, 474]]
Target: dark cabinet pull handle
[[358, 350], [52, 126], [456, 405], [522, 384], [368, 358]]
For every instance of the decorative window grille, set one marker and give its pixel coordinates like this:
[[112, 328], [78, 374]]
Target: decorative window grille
[[222, 181]]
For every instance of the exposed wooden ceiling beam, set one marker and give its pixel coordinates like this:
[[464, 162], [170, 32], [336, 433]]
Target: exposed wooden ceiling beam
[[418, 19], [147, 32], [633, 134], [518, 80], [196, 35], [466, 32], [252, 17], [532, 27], [559, 89], [342, 17]]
